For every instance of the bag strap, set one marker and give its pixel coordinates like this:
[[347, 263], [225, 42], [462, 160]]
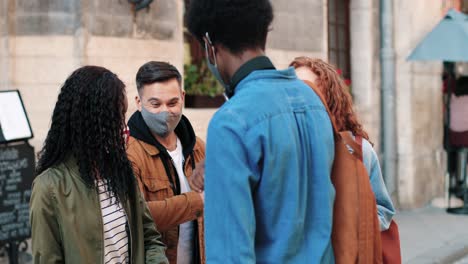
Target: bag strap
[[359, 142], [368, 210], [336, 133], [369, 231], [367, 213]]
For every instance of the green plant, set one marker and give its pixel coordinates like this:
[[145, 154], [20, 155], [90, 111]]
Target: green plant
[[198, 80]]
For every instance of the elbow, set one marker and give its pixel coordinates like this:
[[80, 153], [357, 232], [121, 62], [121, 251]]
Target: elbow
[[159, 222]]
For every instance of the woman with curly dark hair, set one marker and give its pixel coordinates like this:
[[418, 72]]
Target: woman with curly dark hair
[[335, 92], [85, 204]]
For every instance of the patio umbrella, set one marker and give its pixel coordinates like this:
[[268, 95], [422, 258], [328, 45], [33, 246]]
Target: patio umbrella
[[448, 41]]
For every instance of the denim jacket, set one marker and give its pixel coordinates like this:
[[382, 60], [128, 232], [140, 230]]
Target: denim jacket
[[268, 193], [385, 209]]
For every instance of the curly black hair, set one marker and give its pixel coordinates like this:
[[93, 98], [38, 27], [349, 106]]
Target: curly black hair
[[88, 123], [236, 24]]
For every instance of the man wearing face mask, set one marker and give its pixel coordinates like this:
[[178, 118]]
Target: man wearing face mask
[[270, 148], [164, 150]]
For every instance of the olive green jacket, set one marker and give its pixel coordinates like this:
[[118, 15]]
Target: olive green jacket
[[66, 221]]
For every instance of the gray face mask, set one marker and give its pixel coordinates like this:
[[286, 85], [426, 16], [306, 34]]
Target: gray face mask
[[161, 124]]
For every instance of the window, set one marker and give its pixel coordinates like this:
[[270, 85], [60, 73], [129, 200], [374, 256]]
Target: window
[[464, 6], [339, 36]]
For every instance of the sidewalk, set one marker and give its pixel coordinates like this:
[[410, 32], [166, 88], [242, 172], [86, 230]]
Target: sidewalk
[[430, 235]]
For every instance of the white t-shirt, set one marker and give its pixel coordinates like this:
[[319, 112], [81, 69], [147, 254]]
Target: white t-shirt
[[114, 221], [186, 231]]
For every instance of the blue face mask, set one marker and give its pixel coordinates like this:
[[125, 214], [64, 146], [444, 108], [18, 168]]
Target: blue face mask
[[228, 92]]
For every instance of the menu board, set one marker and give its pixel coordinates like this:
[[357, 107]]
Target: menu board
[[16, 176], [14, 122]]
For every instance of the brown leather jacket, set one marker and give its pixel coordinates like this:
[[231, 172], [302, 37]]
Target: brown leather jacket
[[159, 184]]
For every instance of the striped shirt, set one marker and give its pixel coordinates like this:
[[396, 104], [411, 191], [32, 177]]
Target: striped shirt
[[114, 222]]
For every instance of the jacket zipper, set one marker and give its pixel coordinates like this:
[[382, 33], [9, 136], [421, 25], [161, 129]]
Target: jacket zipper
[[130, 234], [176, 190], [101, 222]]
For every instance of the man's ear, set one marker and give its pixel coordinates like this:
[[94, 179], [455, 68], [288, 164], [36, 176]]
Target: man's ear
[[138, 102]]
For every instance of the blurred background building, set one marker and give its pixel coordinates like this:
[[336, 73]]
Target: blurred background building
[[43, 41]]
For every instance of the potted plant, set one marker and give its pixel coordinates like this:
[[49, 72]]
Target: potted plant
[[201, 88]]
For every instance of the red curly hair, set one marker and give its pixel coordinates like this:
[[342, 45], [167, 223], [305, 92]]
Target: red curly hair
[[335, 92]]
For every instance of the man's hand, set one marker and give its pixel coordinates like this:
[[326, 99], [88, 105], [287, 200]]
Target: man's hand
[[197, 180]]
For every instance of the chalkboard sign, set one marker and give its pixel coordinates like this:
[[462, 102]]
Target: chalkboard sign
[[16, 175]]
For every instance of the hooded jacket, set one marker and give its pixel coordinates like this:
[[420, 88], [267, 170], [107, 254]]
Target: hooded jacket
[[159, 182]]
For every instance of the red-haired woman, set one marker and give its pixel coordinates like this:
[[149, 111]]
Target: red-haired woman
[[325, 77]]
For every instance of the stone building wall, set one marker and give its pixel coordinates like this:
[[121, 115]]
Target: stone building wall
[[299, 29], [3, 45], [42, 42], [421, 159], [365, 65]]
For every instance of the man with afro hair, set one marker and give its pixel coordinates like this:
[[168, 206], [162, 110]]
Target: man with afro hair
[[270, 148]]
